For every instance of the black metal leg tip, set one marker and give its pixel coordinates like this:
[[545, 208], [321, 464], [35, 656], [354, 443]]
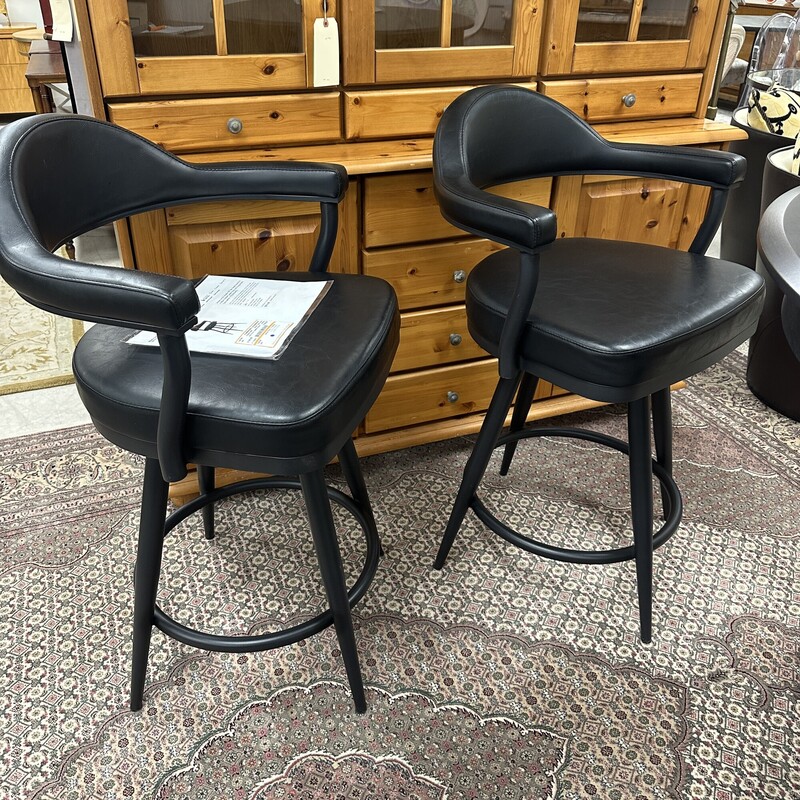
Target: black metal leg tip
[[646, 637], [438, 564], [210, 535], [136, 705]]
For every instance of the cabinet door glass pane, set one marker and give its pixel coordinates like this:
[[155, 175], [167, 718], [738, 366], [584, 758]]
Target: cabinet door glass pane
[[604, 20], [172, 27], [481, 22], [666, 19], [406, 24], [264, 26]]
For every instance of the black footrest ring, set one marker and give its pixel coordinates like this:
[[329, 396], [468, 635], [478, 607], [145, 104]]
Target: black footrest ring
[[268, 641], [582, 556]]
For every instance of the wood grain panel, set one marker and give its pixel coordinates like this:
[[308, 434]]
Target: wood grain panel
[[402, 208], [526, 36], [451, 63], [12, 77], [422, 396], [631, 209], [425, 275], [559, 37], [221, 248], [703, 41], [201, 74], [16, 101], [425, 339], [656, 56], [116, 61], [220, 238], [402, 112], [182, 125], [151, 243], [358, 43], [9, 49], [601, 99]]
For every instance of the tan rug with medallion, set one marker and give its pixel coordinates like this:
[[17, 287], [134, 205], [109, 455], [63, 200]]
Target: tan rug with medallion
[[503, 676], [35, 347]]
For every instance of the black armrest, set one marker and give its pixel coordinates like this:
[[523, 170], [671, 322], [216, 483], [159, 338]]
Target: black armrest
[[712, 168], [109, 295], [524, 226]]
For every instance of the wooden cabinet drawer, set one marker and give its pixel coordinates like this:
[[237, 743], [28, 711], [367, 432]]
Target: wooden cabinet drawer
[[428, 275], [398, 113], [433, 394], [15, 101], [402, 208], [434, 338], [184, 125], [393, 114], [607, 99]]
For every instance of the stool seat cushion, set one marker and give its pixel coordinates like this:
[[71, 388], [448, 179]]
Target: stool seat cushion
[[286, 415], [614, 321]]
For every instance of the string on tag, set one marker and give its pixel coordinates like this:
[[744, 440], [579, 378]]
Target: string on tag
[[325, 13]]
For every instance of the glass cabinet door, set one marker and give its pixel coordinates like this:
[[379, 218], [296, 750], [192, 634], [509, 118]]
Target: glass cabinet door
[[593, 36], [193, 46], [401, 41]]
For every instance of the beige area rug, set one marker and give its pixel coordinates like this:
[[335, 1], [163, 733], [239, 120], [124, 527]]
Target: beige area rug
[[502, 676], [35, 347]]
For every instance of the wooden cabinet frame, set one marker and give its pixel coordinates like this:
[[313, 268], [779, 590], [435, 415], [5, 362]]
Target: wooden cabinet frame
[[561, 55], [364, 64], [122, 73]]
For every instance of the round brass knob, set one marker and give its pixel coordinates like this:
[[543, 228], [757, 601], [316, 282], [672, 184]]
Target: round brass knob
[[452, 397], [629, 100], [235, 125], [455, 339], [459, 276]]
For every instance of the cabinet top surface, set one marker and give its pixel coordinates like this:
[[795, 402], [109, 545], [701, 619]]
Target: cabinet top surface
[[362, 158]]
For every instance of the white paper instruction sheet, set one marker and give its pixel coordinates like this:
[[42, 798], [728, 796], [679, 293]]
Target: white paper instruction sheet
[[247, 316]]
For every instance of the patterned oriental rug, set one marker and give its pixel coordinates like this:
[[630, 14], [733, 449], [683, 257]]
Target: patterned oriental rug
[[35, 347], [503, 676]]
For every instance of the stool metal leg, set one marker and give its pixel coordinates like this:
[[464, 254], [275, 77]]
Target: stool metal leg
[[522, 406], [641, 474], [662, 434], [330, 563], [351, 469], [478, 461], [206, 482], [148, 567]]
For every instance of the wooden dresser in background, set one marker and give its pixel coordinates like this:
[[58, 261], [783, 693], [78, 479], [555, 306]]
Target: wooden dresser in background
[[234, 82], [15, 95]]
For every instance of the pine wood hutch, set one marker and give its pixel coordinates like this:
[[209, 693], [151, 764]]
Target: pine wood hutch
[[232, 80]]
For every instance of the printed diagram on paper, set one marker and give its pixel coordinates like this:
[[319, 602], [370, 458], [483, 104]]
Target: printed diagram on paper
[[247, 316]]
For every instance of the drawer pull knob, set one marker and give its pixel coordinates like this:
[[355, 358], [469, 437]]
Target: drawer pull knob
[[629, 100], [455, 339], [235, 125], [452, 397], [459, 276]]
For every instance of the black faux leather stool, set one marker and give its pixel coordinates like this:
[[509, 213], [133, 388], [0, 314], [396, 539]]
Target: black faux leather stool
[[65, 175], [613, 321]]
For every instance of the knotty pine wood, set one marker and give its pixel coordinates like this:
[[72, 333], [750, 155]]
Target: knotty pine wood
[[185, 125], [424, 275], [425, 339], [600, 99]]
